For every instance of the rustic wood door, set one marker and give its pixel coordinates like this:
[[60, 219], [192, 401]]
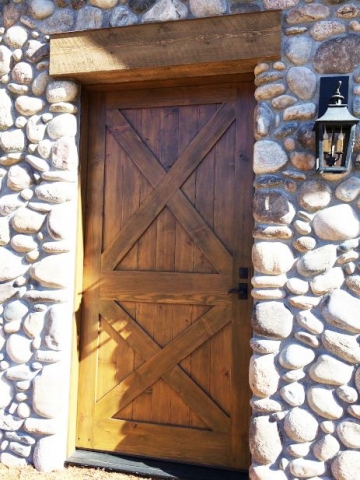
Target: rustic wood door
[[164, 346]]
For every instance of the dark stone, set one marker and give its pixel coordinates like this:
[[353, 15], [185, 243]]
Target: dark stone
[[77, 4], [41, 53], [306, 136], [245, 7], [62, 3], [286, 129], [12, 12], [141, 5], [338, 55], [335, 2], [273, 206], [267, 181], [267, 77]]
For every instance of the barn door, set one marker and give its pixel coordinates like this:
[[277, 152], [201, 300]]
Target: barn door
[[164, 347]]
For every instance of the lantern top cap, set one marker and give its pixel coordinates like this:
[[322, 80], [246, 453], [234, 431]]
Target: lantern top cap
[[337, 111]]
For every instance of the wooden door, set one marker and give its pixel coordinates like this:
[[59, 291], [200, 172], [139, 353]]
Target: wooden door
[[164, 346]]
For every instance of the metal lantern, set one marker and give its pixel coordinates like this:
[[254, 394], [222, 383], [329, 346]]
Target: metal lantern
[[335, 133]]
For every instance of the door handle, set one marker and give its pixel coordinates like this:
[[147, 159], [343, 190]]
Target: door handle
[[242, 291]]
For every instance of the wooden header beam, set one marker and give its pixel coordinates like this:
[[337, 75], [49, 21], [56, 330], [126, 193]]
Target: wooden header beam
[[157, 51]]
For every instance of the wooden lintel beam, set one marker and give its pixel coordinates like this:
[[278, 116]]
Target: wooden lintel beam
[[157, 51]]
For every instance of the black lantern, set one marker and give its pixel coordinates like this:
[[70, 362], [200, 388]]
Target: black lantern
[[335, 134]]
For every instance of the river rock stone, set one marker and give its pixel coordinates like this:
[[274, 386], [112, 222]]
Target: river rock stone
[[6, 391], [103, 4], [5, 60], [63, 125], [43, 271], [27, 221], [56, 192], [342, 345], [23, 243], [64, 154], [15, 36], [12, 461], [348, 190], [353, 283], [317, 261], [48, 452], [141, 5], [165, 11], [264, 120], [61, 91], [328, 281], [342, 310], [40, 83], [11, 265], [283, 101], [207, 8], [325, 448], [346, 465], [18, 348], [35, 129], [263, 345], [6, 110], [302, 82], [268, 157], [41, 9], [293, 394], [299, 450], [338, 55], [298, 50], [269, 91], [272, 319], [304, 244], [12, 141], [308, 13], [55, 330], [324, 30], [271, 206], [60, 21], [302, 160], [337, 223], [323, 402], [19, 178], [265, 472], [296, 356], [330, 371], [22, 73], [265, 405], [265, 444], [272, 258], [349, 433], [300, 425], [122, 16], [89, 17], [303, 468], [347, 394], [42, 426], [48, 391], [268, 281], [314, 195], [28, 106], [305, 111], [264, 378]]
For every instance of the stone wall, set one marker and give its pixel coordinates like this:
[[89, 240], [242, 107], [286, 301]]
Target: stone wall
[[306, 319]]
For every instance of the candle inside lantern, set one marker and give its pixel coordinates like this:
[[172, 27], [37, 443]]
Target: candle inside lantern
[[326, 142], [340, 142]]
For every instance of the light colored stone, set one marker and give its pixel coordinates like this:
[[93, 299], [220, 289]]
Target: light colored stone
[[264, 378], [271, 232], [22, 73], [297, 286], [103, 4], [265, 444], [317, 261], [57, 325], [5, 60], [269, 281], [299, 450], [207, 8], [6, 110], [300, 425], [330, 371], [337, 223], [55, 192], [303, 161], [349, 433], [41, 9], [12, 141], [302, 82], [23, 243], [4, 231], [323, 402], [342, 311], [327, 426], [64, 154], [263, 120], [19, 449], [353, 283], [342, 345], [6, 391], [267, 92], [40, 83], [272, 258], [49, 453], [347, 394], [18, 348], [264, 345], [19, 178], [265, 405], [33, 324], [314, 195], [264, 472], [293, 394], [273, 206], [89, 18], [326, 29], [37, 163], [15, 36], [348, 190], [27, 221], [48, 391], [346, 465], [35, 129], [303, 302], [296, 356], [268, 157], [12, 461], [283, 101], [304, 244], [308, 339], [11, 265], [268, 294], [279, 4], [122, 16], [43, 271], [272, 319], [308, 13], [64, 125], [348, 257], [304, 228], [303, 468], [328, 281], [44, 148], [42, 426], [166, 10], [61, 91], [298, 50], [28, 106]]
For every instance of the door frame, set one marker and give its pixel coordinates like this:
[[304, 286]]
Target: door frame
[[219, 71]]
